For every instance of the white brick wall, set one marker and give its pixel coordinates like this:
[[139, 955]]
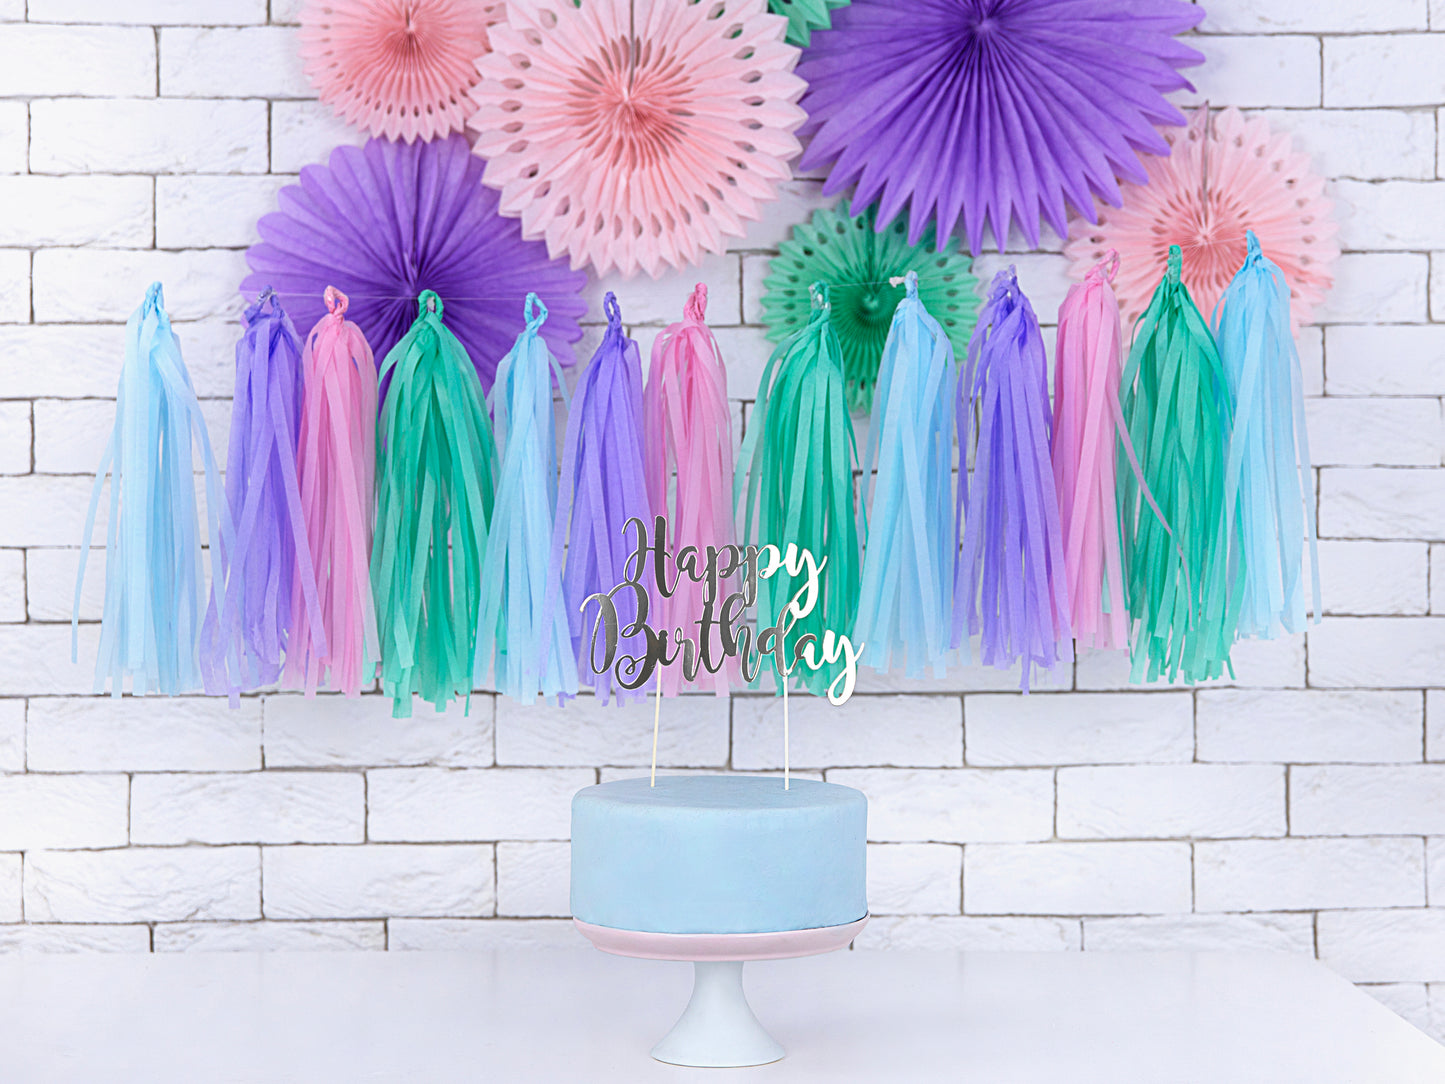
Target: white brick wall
[[1298, 808]]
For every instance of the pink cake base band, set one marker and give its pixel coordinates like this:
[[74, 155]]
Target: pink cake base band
[[777, 945]]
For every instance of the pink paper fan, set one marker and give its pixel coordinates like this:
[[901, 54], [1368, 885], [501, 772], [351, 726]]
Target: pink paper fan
[[399, 69], [1221, 179], [637, 149]]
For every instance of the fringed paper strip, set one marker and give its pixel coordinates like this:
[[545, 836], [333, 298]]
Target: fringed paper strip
[[337, 467], [798, 460], [690, 444], [603, 486], [1010, 587], [1269, 453], [435, 478], [1176, 404], [526, 648], [904, 606], [154, 584]]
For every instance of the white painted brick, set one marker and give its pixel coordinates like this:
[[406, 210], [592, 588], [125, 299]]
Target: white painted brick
[[264, 936], [1435, 866], [1308, 874], [14, 137], [1201, 933], [100, 285], [304, 132], [62, 811], [1275, 70], [1394, 945], [1377, 288], [1310, 341], [12, 735], [1340, 17], [640, 771], [142, 884], [1383, 652], [474, 935], [36, 659], [12, 585], [900, 731], [969, 933], [1436, 991], [35, 937], [113, 211], [954, 805], [1076, 879], [660, 302], [1408, 1000], [204, 212], [10, 888], [1268, 664], [250, 62], [1084, 728], [1389, 215], [149, 12], [1366, 144], [377, 882], [1308, 726], [73, 361], [534, 879], [1414, 356], [15, 437], [745, 352], [692, 732], [960, 678], [1370, 578], [1384, 69], [1364, 800], [472, 803], [1374, 432], [796, 202], [1382, 503], [14, 289], [248, 807], [45, 511], [47, 61], [1166, 801], [1435, 724], [152, 734], [127, 135], [286, 12], [1437, 578], [755, 271], [71, 435], [333, 731], [914, 879]]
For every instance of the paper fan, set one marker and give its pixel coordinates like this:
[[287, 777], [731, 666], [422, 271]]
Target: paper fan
[[384, 222], [805, 16], [637, 155], [857, 263], [995, 110], [396, 68], [1221, 180]]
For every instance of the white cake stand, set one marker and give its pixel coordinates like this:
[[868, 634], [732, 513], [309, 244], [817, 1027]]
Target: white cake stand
[[718, 1028]]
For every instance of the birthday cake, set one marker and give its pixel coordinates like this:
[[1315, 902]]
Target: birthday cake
[[721, 854]]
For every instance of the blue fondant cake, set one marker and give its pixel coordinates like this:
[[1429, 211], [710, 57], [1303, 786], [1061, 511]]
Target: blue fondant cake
[[718, 854]]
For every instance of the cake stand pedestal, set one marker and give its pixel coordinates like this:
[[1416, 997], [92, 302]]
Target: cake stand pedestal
[[718, 1028]]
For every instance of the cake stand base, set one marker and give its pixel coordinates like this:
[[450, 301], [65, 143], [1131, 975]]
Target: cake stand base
[[718, 1028]]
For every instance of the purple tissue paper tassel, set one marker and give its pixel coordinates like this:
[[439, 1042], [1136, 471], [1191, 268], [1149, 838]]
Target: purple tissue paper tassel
[[244, 649], [1010, 588]]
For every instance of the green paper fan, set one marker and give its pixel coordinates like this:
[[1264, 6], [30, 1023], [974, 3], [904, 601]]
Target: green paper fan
[[857, 263], [805, 16]]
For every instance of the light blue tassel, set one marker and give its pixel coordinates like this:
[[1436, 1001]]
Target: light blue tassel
[[523, 650], [154, 586], [906, 599], [1268, 482]]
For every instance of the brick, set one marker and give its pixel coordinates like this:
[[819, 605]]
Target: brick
[[378, 881], [1268, 664], [332, 732], [15, 438], [249, 62], [37, 937], [755, 271], [248, 807], [304, 132], [50, 584], [11, 909], [1376, 288], [1382, 503], [45, 511], [14, 291], [50, 61], [1084, 728], [660, 302], [78, 360], [127, 135], [1076, 879], [207, 212], [93, 285], [1201, 933], [1408, 1000], [1308, 874], [481, 935], [1310, 342], [1171, 800], [287, 12], [62, 811], [1435, 865], [1374, 432], [1415, 356], [143, 884], [154, 734], [112, 211], [1389, 215], [1435, 724], [1308, 726], [745, 352], [1384, 69], [534, 879], [1437, 578], [1393, 945], [71, 434], [36, 659], [969, 933], [12, 585], [1341, 17], [12, 735], [914, 879], [264, 936], [1370, 578], [149, 12], [1364, 800], [472, 803], [14, 137], [954, 805], [1365, 144], [899, 731], [692, 732], [959, 678], [1276, 70], [1383, 652], [796, 201]]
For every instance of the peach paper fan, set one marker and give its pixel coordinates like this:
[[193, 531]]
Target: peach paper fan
[[1226, 175], [637, 136]]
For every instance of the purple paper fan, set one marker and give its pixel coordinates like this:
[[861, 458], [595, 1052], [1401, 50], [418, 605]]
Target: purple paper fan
[[386, 221], [992, 109]]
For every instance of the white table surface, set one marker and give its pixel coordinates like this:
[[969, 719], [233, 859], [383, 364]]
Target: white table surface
[[561, 1015]]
